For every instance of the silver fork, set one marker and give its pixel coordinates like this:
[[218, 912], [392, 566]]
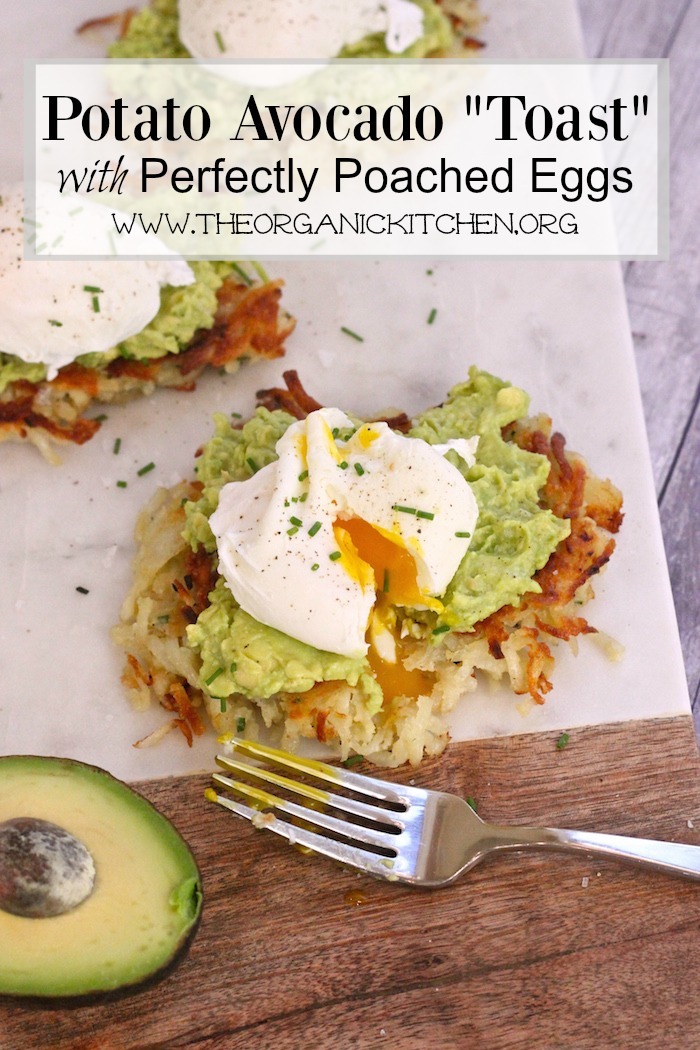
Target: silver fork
[[400, 833]]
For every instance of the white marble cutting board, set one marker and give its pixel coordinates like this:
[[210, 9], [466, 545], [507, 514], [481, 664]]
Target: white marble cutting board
[[558, 328]]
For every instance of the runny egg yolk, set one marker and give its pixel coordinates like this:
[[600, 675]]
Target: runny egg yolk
[[364, 549]]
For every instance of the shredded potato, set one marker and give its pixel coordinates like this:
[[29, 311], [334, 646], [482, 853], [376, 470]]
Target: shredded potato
[[515, 644]]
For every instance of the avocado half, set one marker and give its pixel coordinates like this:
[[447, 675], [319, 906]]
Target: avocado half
[[71, 832]]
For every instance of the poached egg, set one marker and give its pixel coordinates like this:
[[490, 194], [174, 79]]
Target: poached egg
[[290, 29], [347, 524], [54, 310]]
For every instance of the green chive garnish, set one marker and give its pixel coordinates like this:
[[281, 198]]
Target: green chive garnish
[[121, 484], [82, 590], [353, 335], [296, 521], [562, 741], [293, 531], [359, 469], [56, 324], [429, 273], [95, 304], [91, 288], [432, 315], [242, 274], [441, 629], [100, 419], [219, 41], [427, 514], [335, 431], [303, 497], [214, 676], [385, 585], [343, 465], [314, 528], [315, 567], [146, 469], [252, 464], [303, 476], [335, 555], [404, 510], [353, 760], [240, 725], [472, 802], [463, 535], [223, 703], [236, 415], [117, 446], [234, 667]]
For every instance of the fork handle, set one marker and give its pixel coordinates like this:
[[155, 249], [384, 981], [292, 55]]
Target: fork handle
[[677, 858]]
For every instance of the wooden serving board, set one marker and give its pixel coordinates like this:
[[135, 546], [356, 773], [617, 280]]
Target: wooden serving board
[[532, 951]]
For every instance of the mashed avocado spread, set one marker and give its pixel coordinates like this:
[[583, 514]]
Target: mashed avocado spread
[[153, 33], [183, 310], [514, 537]]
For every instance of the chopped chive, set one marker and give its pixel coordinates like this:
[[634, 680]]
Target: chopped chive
[[100, 419], [295, 499], [472, 802], [335, 431], [314, 528], [56, 324], [432, 315], [234, 667], [315, 567], [343, 465], [223, 704], [236, 415], [214, 676], [242, 274], [293, 531], [562, 741], [335, 555], [359, 469], [82, 590], [385, 585], [146, 469], [404, 510], [303, 497], [121, 484], [95, 304], [353, 760], [463, 535], [303, 476], [40, 247], [353, 335], [441, 629], [164, 618], [58, 240], [117, 445], [427, 514], [91, 288], [219, 41], [296, 521], [240, 724], [286, 503], [429, 273], [252, 464]]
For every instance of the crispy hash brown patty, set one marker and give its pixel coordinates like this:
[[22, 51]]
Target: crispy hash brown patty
[[173, 584], [248, 323]]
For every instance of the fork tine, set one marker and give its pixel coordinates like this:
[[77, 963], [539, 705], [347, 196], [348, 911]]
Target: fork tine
[[366, 836], [353, 856], [328, 798], [374, 788]]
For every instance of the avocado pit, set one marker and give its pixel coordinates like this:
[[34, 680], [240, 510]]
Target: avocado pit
[[44, 870]]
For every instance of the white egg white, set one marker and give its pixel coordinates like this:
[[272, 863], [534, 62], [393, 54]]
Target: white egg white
[[50, 315], [282, 547], [290, 29]]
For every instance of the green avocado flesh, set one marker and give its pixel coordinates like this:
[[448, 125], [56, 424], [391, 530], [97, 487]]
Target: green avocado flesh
[[135, 919], [513, 538], [154, 33]]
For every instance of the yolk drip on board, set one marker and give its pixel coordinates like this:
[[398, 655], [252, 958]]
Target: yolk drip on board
[[366, 551]]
